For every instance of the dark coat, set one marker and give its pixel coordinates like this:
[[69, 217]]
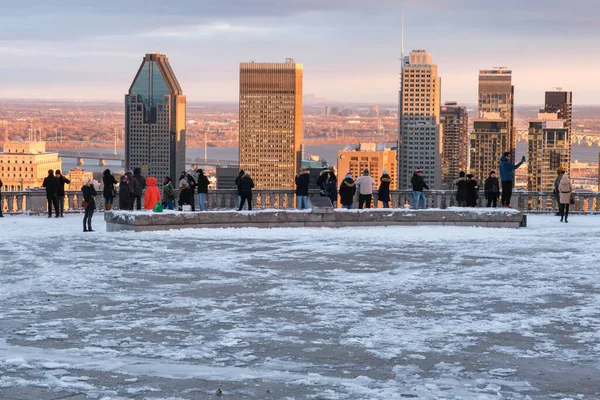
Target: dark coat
[[237, 182], [472, 193], [185, 195], [461, 189], [491, 188], [302, 182], [203, 183], [347, 191], [109, 182], [331, 189], [245, 185], [61, 185], [89, 192], [418, 183], [383, 194], [51, 185], [193, 184], [140, 182], [322, 179], [124, 195]]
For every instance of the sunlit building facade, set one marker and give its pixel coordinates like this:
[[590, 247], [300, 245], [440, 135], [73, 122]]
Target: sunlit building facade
[[271, 122], [25, 165], [455, 122]]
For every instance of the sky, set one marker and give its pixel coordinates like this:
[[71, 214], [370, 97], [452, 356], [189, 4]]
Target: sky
[[84, 50]]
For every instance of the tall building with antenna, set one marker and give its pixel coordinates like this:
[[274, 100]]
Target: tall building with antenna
[[155, 120], [420, 140]]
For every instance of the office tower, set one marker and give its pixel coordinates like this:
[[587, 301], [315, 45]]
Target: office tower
[[548, 148], [421, 133], [24, 165], [455, 122], [562, 103], [368, 157], [494, 131], [271, 122], [155, 120]]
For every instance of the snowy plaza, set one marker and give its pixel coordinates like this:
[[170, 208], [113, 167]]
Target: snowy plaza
[[311, 313]]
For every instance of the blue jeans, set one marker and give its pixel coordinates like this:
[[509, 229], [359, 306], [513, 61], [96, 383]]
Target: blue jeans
[[386, 204], [168, 205], [301, 202], [418, 196], [240, 202], [201, 197], [347, 207]]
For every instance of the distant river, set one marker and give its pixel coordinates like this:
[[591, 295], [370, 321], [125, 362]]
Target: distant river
[[581, 153]]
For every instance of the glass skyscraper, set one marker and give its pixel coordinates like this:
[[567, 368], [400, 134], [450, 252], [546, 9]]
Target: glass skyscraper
[[155, 120]]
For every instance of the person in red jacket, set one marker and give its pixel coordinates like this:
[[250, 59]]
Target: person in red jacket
[[152, 195]]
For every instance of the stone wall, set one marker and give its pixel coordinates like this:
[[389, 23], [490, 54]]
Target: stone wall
[[149, 221]]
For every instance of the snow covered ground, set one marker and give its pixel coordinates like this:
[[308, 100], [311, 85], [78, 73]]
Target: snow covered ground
[[355, 313]]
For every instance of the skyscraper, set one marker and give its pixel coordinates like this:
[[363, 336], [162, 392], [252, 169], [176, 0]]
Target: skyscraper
[[562, 103], [155, 120], [548, 148], [420, 138], [271, 122], [494, 130], [455, 122]]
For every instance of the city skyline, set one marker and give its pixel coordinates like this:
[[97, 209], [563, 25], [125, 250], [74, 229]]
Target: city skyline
[[350, 49]]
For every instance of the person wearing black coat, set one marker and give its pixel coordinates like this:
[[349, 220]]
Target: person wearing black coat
[[60, 193], [347, 191], [203, 183], [302, 181], [461, 189], [383, 194], [331, 188], [89, 193], [51, 185], [185, 194], [491, 189], [131, 184], [472, 191], [322, 180], [124, 194], [1, 204], [418, 184], [139, 186], [237, 185], [108, 189], [245, 185]]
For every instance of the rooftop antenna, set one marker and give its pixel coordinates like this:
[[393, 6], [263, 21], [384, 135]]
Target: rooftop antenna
[[402, 40]]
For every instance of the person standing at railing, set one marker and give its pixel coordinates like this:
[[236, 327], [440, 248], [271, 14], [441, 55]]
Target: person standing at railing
[[347, 191], [322, 180], [565, 189], [491, 190], [245, 185], [418, 185], [124, 193], [60, 192], [331, 188], [302, 181], [185, 194], [108, 189], [140, 185], [472, 191], [89, 193], [152, 197], [383, 194], [364, 185], [203, 183], [559, 174], [461, 189], [168, 194], [1, 203], [507, 176], [51, 185]]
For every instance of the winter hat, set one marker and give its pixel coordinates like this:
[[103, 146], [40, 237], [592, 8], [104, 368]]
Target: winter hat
[[419, 170], [385, 171], [366, 172], [560, 169], [348, 176], [183, 182]]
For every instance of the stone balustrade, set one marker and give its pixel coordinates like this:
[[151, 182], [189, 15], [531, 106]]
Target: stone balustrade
[[34, 201]]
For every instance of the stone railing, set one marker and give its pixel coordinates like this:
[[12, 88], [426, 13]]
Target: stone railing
[[34, 201]]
